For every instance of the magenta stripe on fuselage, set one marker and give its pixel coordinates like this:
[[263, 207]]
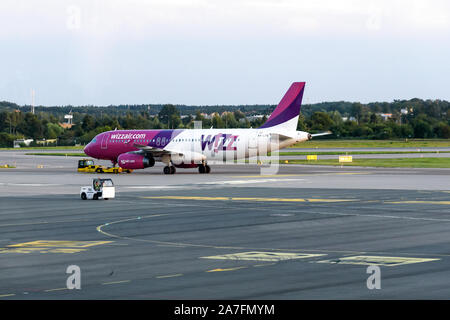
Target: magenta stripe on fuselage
[[109, 145]]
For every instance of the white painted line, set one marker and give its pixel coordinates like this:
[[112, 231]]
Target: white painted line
[[116, 282], [57, 289], [170, 276], [249, 181], [33, 184], [154, 187]]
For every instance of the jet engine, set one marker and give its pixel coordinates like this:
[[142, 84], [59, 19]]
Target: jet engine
[[135, 161]]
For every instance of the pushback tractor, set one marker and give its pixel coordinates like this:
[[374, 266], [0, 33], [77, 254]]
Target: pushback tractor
[[88, 165], [100, 189]]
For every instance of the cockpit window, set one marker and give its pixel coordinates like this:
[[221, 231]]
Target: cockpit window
[[94, 140]]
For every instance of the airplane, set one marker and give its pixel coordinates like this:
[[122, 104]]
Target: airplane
[[193, 148]]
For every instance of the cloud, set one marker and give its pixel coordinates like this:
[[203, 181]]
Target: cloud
[[112, 51], [141, 18]]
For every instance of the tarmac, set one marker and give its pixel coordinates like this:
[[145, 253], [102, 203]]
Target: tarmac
[[293, 232]]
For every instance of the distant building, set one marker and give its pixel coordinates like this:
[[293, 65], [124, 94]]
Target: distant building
[[66, 125], [255, 117], [17, 143], [206, 116], [385, 116], [69, 121], [69, 117], [46, 142]]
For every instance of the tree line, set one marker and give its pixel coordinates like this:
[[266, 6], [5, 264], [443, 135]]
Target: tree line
[[413, 118]]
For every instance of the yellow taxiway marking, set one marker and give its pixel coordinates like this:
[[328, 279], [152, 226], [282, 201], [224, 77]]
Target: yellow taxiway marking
[[264, 256], [378, 260], [116, 282], [40, 250], [59, 244], [170, 276], [249, 199], [299, 175], [226, 269], [51, 246], [57, 289], [331, 200], [269, 199], [7, 295], [187, 198], [418, 202]]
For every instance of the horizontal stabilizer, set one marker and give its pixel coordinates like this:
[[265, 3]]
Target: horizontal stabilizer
[[321, 134]]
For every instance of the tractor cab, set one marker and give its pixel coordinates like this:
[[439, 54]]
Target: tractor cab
[[85, 163], [100, 184], [101, 189]]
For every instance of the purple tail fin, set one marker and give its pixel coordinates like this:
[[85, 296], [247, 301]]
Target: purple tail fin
[[288, 108]]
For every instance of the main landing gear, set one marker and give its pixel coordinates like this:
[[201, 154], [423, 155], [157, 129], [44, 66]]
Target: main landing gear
[[204, 168], [169, 170]]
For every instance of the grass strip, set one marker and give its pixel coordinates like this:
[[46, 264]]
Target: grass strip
[[387, 163]]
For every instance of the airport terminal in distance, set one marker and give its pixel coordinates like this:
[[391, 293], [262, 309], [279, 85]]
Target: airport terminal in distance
[[243, 231]]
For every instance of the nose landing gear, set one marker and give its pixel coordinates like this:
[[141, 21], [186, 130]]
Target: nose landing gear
[[204, 168]]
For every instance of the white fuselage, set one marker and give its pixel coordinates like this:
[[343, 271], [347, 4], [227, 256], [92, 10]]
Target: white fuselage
[[233, 144]]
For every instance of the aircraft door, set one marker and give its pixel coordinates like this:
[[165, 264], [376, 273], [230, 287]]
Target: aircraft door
[[253, 141], [105, 138]]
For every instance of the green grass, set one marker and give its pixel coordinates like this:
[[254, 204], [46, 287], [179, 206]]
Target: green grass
[[6, 166], [388, 163], [333, 153], [360, 143], [61, 154], [47, 148]]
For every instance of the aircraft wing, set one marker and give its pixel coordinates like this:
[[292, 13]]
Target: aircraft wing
[[155, 152]]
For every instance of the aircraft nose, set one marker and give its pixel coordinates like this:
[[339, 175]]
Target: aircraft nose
[[88, 149]]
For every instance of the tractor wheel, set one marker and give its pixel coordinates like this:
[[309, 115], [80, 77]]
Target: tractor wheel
[[83, 196]]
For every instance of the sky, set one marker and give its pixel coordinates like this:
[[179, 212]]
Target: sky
[[211, 52]]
